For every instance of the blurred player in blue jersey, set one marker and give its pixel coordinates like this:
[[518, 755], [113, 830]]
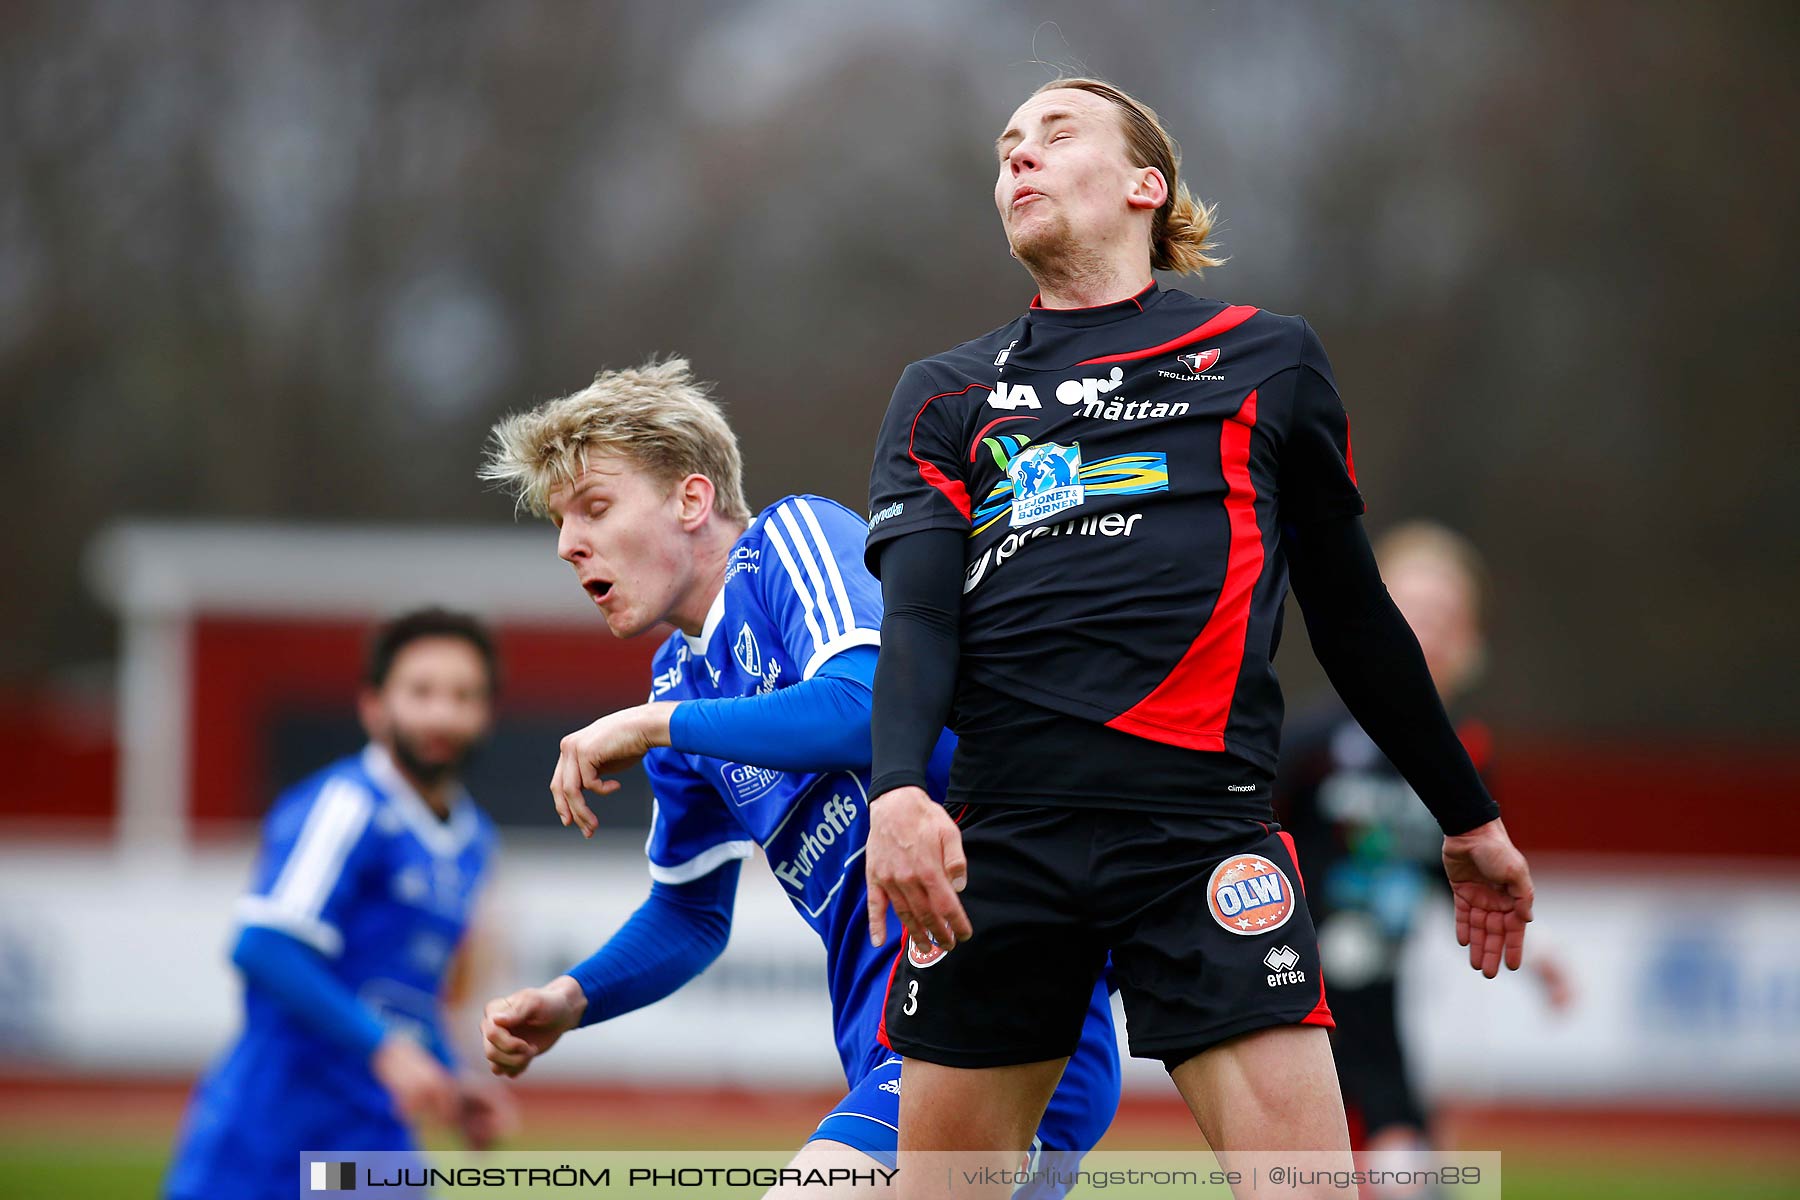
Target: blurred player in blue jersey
[[360, 895], [757, 732]]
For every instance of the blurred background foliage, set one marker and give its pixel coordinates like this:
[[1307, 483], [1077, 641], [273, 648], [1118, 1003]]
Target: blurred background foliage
[[282, 260]]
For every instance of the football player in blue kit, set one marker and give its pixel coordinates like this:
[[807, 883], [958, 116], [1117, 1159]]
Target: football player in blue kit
[[360, 895], [756, 732]]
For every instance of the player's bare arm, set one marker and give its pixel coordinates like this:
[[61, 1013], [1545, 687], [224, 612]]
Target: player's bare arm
[[1492, 886], [591, 756], [915, 862], [518, 1028], [421, 1087]]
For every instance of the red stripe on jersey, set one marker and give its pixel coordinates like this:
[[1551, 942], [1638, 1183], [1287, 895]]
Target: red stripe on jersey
[[1191, 706], [1231, 318], [953, 489], [1287, 839], [881, 1034], [1349, 454], [1321, 1012]]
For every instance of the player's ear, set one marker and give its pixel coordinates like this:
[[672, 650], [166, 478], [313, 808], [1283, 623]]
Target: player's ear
[[1148, 190], [368, 710], [694, 501]]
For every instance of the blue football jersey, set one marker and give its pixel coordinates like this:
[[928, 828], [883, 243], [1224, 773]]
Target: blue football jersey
[[796, 593], [355, 864]]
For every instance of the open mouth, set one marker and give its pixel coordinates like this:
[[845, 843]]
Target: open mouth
[[599, 589]]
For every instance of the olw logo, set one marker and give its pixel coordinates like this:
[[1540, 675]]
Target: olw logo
[[1122, 474]]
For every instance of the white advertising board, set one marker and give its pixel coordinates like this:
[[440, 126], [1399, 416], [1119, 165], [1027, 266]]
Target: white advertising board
[[1687, 980]]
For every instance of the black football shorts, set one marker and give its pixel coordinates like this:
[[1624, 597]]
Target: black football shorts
[[1204, 918]]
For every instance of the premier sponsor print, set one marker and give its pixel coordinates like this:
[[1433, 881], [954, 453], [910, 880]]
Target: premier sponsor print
[[1114, 524]]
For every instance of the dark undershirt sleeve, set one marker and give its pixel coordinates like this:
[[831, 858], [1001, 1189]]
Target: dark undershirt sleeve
[[915, 677], [1374, 661]]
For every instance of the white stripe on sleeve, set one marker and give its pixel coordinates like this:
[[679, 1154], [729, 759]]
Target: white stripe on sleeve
[[703, 863], [825, 653], [842, 594], [336, 821], [322, 936], [800, 588], [833, 630]]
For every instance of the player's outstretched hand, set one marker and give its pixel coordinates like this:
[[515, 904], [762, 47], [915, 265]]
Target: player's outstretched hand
[[487, 1114], [914, 860], [420, 1086], [1492, 885], [516, 1029], [610, 745]]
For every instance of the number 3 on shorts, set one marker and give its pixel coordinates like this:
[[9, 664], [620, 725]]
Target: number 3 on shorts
[[912, 997]]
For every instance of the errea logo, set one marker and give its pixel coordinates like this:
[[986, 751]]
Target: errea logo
[[1282, 958], [1282, 962]]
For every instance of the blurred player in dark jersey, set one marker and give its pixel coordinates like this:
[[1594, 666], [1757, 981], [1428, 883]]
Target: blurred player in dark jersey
[[1371, 849], [1084, 522]]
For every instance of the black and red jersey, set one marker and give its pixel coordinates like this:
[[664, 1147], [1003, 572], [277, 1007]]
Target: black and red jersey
[[1123, 474]]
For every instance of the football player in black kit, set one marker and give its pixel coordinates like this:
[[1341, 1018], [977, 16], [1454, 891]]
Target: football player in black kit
[[1084, 523], [1371, 850]]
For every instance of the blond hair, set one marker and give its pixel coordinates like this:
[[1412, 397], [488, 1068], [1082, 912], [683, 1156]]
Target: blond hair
[[1181, 233], [656, 416], [1418, 539]]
